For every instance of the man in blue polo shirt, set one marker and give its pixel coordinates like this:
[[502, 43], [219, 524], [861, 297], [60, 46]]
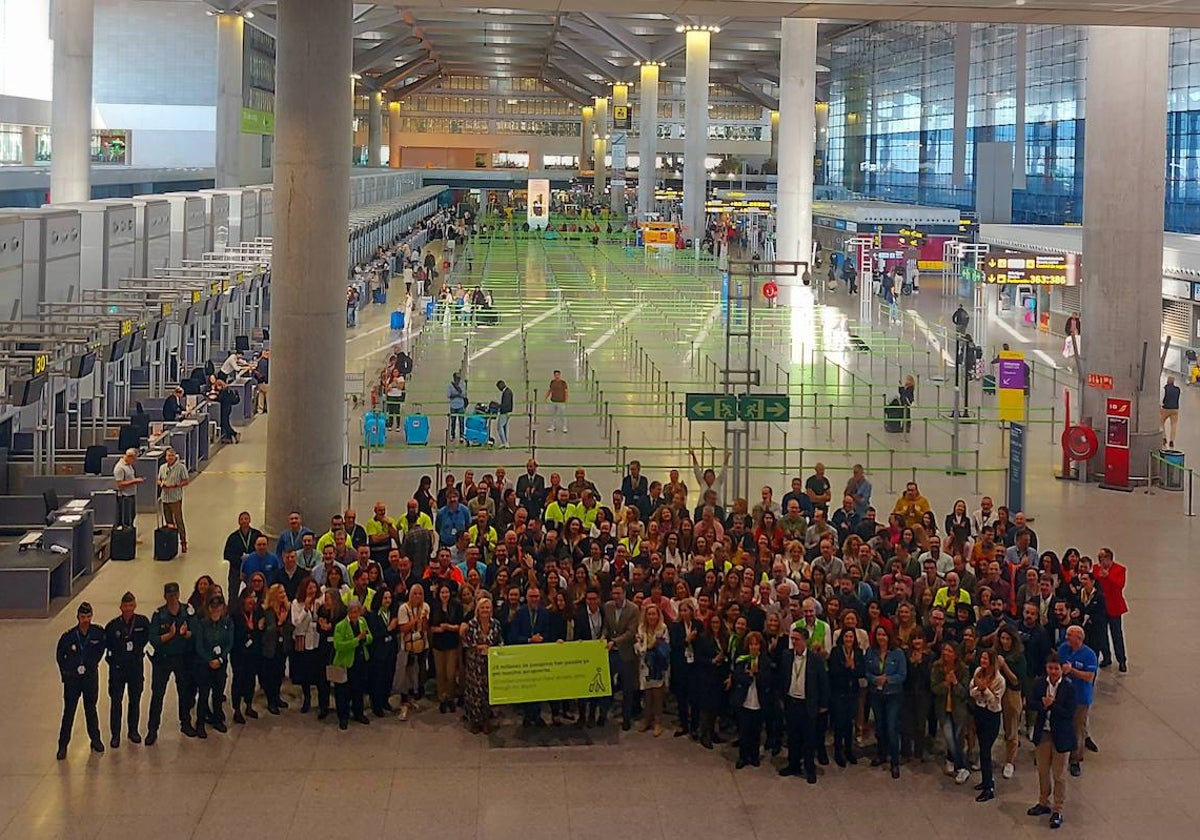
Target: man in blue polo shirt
[[259, 560], [452, 520], [1080, 664]]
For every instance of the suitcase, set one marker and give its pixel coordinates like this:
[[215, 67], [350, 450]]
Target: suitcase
[[893, 417], [488, 317], [429, 307], [416, 430], [123, 543], [166, 543], [375, 428], [475, 430], [397, 321]]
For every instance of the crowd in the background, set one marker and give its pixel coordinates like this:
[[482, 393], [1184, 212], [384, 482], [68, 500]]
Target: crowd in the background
[[804, 623]]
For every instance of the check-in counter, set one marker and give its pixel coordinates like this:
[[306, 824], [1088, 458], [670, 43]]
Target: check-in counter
[[30, 580], [73, 527]]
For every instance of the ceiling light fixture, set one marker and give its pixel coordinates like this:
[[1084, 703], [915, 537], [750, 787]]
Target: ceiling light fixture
[[248, 15], [649, 64], [696, 27]]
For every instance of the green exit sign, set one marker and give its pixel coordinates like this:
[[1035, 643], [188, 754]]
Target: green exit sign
[[711, 407], [765, 408], [971, 275]]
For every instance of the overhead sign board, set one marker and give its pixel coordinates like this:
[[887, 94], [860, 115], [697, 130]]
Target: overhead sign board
[[1100, 381], [764, 408], [1012, 268], [711, 407], [622, 117]]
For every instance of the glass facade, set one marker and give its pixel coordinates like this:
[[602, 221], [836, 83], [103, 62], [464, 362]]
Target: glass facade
[[891, 117]]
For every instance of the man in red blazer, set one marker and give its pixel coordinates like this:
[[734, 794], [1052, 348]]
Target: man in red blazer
[[1110, 577]]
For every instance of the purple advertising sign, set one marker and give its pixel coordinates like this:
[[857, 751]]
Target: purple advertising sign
[[1011, 374]]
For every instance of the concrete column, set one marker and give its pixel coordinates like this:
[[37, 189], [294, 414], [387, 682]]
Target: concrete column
[[647, 137], [374, 128], [1020, 82], [600, 121], [775, 139], [616, 196], [394, 135], [312, 213], [71, 27], [962, 92], [797, 138], [28, 145], [586, 138], [230, 29], [1123, 194], [695, 126]]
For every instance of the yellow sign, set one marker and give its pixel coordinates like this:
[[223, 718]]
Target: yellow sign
[[215, 288], [196, 296], [126, 326], [1011, 378], [540, 672], [167, 308], [40, 363]]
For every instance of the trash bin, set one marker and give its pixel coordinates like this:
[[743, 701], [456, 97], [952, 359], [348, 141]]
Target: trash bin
[[1172, 469]]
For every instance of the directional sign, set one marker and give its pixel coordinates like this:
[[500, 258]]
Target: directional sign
[[765, 408], [969, 274], [711, 407]]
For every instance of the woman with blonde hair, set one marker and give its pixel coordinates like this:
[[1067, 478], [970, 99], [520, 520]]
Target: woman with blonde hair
[[653, 647], [277, 643], [410, 657], [481, 633], [987, 690]]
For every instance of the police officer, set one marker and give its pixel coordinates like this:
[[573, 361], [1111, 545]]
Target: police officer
[[214, 638], [79, 652], [174, 655], [126, 637]]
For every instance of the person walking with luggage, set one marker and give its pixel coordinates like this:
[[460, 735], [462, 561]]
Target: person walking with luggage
[[127, 484], [126, 637], [79, 652], [503, 413], [960, 319], [171, 641], [456, 395], [172, 478], [557, 394], [1168, 416]]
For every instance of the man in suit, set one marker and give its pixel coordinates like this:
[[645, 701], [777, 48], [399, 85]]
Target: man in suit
[[589, 626], [804, 687], [531, 627], [620, 628], [1054, 738]]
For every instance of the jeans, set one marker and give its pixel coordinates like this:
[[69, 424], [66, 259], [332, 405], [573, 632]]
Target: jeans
[[457, 419], [987, 725], [558, 415], [841, 711], [126, 509], [1117, 632], [953, 738], [502, 429], [886, 708]]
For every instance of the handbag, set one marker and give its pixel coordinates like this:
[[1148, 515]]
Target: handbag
[[336, 674], [414, 642]]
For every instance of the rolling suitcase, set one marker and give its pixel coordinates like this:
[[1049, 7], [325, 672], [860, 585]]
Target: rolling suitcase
[[893, 417], [397, 321], [123, 544], [475, 430], [416, 430], [166, 543], [375, 428]]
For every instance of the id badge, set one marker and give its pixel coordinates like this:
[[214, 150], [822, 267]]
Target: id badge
[[129, 647], [217, 650], [82, 670], [249, 643]]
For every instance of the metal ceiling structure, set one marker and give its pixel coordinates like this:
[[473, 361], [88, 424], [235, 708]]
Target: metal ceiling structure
[[400, 48]]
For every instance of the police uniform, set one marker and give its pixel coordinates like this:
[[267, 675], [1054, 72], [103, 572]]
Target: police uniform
[[174, 656], [213, 640], [126, 644], [78, 655]]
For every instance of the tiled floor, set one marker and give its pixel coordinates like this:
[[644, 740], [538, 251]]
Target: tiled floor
[[428, 777]]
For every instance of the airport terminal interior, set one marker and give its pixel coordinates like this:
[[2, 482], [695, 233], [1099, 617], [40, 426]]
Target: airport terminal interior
[[338, 255]]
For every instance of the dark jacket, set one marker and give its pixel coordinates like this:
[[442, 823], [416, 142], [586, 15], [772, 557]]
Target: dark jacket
[[247, 641], [844, 680], [817, 685], [527, 624], [1061, 714], [742, 678], [126, 644], [79, 650]]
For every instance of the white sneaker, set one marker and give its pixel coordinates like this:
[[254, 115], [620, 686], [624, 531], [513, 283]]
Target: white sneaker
[[564, 430], [403, 713], [961, 776], [551, 429], [1008, 771], [949, 768]]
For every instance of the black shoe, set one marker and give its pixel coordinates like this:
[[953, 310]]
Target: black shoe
[[706, 742], [220, 726], [273, 709], [281, 703], [238, 718], [756, 762], [717, 739], [811, 778], [986, 795], [322, 714], [1076, 770], [602, 720], [775, 751], [306, 706], [1056, 820], [679, 733], [1090, 745], [789, 771], [1039, 810], [626, 726], [97, 747], [875, 762], [1122, 667], [253, 715], [343, 724], [201, 732], [62, 753], [151, 738], [895, 771], [1106, 664], [362, 719], [188, 730], [134, 738], [115, 742], [823, 758], [839, 759], [741, 762], [979, 786], [852, 758]]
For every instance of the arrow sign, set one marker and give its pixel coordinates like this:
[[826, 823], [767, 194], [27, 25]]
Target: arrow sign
[[711, 407], [769, 408]]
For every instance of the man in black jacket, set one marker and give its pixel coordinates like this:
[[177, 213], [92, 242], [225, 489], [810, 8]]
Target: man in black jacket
[[589, 626], [79, 652], [804, 687], [504, 408], [238, 545], [126, 637], [1053, 738], [531, 489]]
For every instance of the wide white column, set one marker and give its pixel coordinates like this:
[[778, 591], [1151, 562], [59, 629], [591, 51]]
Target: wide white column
[[695, 127], [599, 147], [230, 29], [586, 137], [313, 144], [616, 195], [797, 138], [394, 135], [374, 128], [1123, 193], [72, 24], [647, 137]]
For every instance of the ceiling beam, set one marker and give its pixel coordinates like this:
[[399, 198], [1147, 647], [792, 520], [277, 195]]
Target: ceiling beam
[[575, 95], [399, 74], [398, 94], [602, 66], [383, 52], [615, 33], [752, 94], [550, 42], [363, 23], [587, 85]]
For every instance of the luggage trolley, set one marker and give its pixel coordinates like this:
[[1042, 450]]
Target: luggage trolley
[[477, 426]]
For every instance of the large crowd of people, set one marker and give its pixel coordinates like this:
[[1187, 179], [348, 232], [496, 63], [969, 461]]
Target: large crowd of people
[[814, 624]]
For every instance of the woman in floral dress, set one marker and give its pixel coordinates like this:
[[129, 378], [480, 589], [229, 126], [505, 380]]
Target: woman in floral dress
[[482, 632]]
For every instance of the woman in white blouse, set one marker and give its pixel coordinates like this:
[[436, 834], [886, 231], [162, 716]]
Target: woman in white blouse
[[987, 690], [307, 669], [653, 647], [411, 655]]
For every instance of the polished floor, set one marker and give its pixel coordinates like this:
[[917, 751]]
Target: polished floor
[[631, 336]]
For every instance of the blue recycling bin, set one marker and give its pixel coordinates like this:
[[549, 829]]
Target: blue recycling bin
[[1172, 469]]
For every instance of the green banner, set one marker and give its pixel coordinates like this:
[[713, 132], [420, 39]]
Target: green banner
[[534, 673], [257, 122]]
